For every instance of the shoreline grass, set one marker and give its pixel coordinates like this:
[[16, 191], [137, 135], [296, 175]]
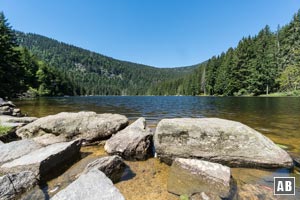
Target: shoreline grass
[[295, 93], [4, 129]]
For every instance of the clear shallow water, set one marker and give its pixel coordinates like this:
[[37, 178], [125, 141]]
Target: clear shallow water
[[277, 118]]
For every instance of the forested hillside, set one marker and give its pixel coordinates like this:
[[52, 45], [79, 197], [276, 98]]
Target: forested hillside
[[20, 71], [89, 73], [267, 62]]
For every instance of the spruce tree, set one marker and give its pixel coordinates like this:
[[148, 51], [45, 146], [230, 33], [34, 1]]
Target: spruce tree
[[11, 69]]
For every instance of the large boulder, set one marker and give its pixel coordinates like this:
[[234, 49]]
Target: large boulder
[[12, 185], [44, 160], [217, 140], [112, 166], [132, 143], [93, 185], [16, 149], [190, 176], [86, 125]]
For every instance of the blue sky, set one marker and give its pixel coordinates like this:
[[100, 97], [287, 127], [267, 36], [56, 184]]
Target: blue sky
[[161, 33]]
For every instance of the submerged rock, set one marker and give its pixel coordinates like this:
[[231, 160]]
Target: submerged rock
[[217, 140], [112, 166], [134, 142], [256, 192], [16, 149], [44, 160], [85, 125], [190, 176], [12, 185], [93, 185], [204, 196]]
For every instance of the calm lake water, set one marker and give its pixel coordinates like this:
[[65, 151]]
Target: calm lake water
[[276, 118]]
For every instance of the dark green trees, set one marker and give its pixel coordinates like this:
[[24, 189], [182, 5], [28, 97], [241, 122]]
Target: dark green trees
[[262, 66], [265, 63], [21, 71], [289, 54], [11, 68], [268, 62], [89, 73]]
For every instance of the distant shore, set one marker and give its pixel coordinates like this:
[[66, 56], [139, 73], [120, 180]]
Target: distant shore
[[295, 93]]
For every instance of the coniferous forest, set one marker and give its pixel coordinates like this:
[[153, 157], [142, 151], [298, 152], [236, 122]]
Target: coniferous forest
[[268, 62]]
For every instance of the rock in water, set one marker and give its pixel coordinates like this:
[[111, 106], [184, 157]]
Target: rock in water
[[12, 185], [6, 103], [132, 143], [44, 160], [13, 150], [190, 176], [205, 196], [296, 158], [249, 191], [217, 140], [112, 166], [20, 120], [86, 125], [8, 108], [91, 186]]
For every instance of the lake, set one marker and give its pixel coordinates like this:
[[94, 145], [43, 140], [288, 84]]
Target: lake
[[277, 118]]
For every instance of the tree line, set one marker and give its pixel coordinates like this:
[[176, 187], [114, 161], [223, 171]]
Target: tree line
[[42, 66], [20, 71], [265, 63], [90, 73]]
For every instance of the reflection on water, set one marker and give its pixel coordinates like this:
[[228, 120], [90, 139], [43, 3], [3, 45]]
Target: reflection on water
[[277, 118]]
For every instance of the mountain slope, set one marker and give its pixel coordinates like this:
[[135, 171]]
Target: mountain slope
[[265, 63], [91, 73]]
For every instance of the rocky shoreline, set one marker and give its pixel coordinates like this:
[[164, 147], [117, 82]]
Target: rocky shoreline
[[201, 153]]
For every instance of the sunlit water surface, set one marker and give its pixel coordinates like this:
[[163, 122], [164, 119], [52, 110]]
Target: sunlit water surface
[[276, 118]]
